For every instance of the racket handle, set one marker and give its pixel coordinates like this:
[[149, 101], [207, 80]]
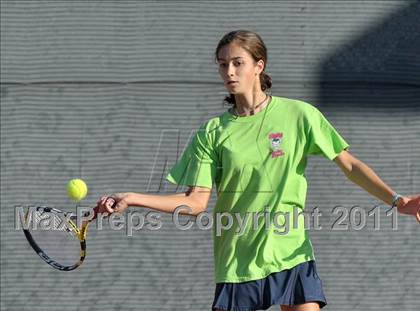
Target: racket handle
[[109, 202]]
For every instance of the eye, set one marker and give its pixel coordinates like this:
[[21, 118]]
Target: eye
[[238, 63], [222, 65]]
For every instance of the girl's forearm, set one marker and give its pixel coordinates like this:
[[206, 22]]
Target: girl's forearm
[[166, 203], [366, 178]]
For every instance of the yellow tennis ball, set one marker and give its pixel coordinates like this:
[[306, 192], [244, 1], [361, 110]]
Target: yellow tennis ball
[[76, 189]]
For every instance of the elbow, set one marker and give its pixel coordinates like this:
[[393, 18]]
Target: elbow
[[198, 198], [348, 170], [347, 163], [189, 209], [192, 206], [198, 208]]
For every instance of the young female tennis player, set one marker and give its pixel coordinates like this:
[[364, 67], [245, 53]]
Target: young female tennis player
[[256, 153]]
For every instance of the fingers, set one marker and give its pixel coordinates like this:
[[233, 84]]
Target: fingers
[[412, 207], [101, 200], [114, 203], [110, 203], [120, 206], [105, 204]]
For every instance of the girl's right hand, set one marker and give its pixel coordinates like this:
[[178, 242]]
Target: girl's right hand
[[106, 203]]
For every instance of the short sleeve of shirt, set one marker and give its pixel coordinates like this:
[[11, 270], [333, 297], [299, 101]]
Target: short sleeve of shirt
[[198, 164], [323, 139]]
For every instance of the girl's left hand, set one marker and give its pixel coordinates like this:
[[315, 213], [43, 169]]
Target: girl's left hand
[[410, 205]]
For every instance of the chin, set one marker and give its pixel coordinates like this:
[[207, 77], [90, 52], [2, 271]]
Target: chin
[[234, 91]]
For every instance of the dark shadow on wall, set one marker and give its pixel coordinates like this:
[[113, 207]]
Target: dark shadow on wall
[[379, 69]]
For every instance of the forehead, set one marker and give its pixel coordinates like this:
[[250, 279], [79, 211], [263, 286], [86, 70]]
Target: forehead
[[232, 51]]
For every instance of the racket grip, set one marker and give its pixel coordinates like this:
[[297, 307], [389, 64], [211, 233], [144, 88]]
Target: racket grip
[[110, 202]]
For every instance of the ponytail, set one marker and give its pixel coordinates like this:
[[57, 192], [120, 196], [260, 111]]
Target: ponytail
[[266, 82]]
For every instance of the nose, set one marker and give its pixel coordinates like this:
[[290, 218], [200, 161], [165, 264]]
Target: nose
[[227, 71], [230, 70]]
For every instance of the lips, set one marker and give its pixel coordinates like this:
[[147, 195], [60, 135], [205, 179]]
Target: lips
[[231, 82]]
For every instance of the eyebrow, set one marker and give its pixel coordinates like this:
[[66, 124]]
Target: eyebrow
[[232, 58]]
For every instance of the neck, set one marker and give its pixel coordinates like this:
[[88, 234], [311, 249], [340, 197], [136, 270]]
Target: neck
[[249, 104]]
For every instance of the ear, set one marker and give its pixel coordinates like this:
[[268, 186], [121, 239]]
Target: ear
[[259, 67]]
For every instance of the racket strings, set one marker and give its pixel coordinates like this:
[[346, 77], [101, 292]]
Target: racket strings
[[55, 236], [48, 220]]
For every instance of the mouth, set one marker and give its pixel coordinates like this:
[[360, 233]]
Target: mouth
[[231, 82]]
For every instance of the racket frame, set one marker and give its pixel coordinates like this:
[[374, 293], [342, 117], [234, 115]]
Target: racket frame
[[80, 233]]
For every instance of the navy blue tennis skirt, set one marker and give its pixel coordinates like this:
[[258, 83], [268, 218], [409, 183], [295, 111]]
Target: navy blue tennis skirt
[[297, 285]]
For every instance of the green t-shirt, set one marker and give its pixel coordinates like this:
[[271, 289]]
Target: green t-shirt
[[257, 163]]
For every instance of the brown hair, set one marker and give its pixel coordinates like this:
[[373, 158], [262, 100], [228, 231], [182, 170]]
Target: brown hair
[[254, 45]]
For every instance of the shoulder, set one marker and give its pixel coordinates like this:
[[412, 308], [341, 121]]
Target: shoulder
[[214, 125], [207, 131], [296, 107], [211, 124]]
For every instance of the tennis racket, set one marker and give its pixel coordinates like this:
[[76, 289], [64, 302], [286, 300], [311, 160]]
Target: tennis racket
[[55, 236]]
